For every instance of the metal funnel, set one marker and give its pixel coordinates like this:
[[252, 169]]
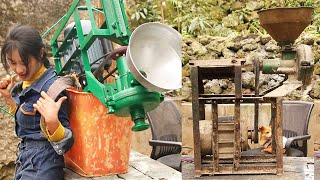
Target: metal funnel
[[285, 24]]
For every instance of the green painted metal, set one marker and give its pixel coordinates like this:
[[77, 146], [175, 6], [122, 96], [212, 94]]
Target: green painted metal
[[126, 97], [132, 98], [270, 66], [288, 55]]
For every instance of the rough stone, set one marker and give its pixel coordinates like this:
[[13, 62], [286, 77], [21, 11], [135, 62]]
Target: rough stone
[[316, 53], [235, 46], [224, 83], [315, 91], [231, 20], [238, 5], [209, 56], [212, 87], [248, 79], [250, 47], [186, 70], [247, 41], [308, 39], [205, 39], [265, 39], [317, 68], [230, 89], [198, 48], [227, 53], [41, 14], [272, 47], [241, 54], [186, 93], [215, 47], [255, 5], [217, 13]]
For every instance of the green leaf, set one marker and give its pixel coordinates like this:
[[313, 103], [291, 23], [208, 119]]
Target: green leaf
[[145, 11], [133, 16], [142, 15], [193, 24], [137, 15]]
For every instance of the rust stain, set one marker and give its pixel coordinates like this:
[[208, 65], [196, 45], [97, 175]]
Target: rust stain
[[102, 141]]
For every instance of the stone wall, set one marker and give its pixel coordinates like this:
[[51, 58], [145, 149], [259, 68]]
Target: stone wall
[[8, 143], [41, 14], [206, 47]]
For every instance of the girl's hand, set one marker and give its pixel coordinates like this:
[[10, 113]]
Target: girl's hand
[[49, 109], [6, 84]]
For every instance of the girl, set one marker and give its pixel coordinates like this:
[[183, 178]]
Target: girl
[[40, 152]]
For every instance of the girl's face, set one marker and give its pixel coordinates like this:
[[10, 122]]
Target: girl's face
[[25, 71]]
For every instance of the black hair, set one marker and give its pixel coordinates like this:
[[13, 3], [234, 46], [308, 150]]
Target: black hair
[[27, 41]]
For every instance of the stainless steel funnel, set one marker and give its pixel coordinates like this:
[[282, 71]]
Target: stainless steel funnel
[[154, 56]]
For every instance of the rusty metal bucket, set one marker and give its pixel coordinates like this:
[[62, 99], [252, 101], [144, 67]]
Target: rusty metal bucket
[[102, 141], [285, 24]]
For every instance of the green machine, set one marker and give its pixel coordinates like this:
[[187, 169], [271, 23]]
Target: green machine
[[148, 61]]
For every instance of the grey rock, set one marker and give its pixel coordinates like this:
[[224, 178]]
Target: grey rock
[[224, 83], [205, 39], [235, 46], [227, 53], [255, 5], [215, 47], [315, 91], [247, 41], [317, 68], [248, 79], [250, 47], [308, 39], [212, 87], [265, 39], [241, 54], [238, 5], [209, 56], [231, 20], [186, 92], [198, 48], [272, 47]]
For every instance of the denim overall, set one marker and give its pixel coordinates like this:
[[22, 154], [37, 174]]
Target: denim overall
[[37, 157]]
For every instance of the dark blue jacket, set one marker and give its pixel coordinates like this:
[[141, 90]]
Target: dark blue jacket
[[27, 119]]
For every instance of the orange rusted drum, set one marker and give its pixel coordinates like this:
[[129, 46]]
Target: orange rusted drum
[[101, 141]]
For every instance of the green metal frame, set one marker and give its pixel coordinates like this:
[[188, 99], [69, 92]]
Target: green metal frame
[[124, 98]]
